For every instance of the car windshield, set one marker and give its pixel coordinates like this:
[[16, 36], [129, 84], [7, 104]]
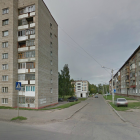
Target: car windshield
[[121, 100]]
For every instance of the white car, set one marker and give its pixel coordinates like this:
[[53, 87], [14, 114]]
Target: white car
[[121, 102]]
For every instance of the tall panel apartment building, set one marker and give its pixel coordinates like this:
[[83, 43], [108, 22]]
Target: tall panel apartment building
[[29, 54], [127, 80]]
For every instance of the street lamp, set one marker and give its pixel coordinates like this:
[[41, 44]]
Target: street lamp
[[112, 83]]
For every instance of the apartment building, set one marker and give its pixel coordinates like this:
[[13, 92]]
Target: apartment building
[[127, 80], [29, 54], [81, 88]]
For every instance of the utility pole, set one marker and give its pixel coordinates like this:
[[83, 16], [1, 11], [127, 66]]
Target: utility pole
[[112, 88]]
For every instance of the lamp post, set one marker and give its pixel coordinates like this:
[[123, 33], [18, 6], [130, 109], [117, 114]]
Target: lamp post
[[112, 83]]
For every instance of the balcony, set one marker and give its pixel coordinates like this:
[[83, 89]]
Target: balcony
[[22, 38], [27, 82], [119, 78], [127, 81], [26, 60], [26, 45], [23, 16], [132, 78], [25, 70]]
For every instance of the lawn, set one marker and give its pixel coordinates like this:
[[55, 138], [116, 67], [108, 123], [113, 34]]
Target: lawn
[[58, 107], [133, 105], [109, 97]]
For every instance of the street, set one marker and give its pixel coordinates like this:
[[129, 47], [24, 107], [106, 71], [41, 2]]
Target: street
[[96, 121]]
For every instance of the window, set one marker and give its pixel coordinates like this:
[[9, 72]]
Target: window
[[4, 100], [4, 44], [5, 11], [5, 89], [5, 78], [51, 53], [30, 65], [51, 44], [5, 22], [4, 66], [5, 56], [30, 43], [51, 62], [21, 77], [51, 90], [26, 54], [27, 10], [51, 35], [30, 88], [51, 25], [21, 65], [51, 72], [51, 81], [21, 33], [22, 22], [22, 100], [30, 32], [5, 33]]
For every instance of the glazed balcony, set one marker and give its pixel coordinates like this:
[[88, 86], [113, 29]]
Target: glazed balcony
[[26, 34], [26, 45]]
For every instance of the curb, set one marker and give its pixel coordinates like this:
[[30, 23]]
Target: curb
[[116, 112], [77, 111]]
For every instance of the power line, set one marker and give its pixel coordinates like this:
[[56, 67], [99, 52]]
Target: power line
[[83, 48]]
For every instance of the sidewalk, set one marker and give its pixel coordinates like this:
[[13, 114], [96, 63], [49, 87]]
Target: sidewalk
[[42, 117], [132, 116]]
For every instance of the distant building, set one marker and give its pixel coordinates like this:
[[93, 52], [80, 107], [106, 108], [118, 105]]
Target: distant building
[[29, 54], [127, 80], [81, 88]]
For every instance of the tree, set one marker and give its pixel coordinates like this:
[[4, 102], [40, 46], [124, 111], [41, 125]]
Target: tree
[[65, 86]]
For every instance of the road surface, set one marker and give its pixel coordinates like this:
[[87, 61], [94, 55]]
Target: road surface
[[96, 121]]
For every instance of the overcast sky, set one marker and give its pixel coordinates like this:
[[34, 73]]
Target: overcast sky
[[109, 30]]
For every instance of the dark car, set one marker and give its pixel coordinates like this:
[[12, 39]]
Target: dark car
[[72, 99], [96, 96], [60, 99]]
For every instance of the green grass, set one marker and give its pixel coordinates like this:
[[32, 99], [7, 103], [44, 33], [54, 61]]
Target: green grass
[[62, 106], [134, 105], [19, 118], [109, 97], [5, 107]]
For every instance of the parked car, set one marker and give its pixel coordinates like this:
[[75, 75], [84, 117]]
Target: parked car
[[60, 99], [72, 99], [96, 96], [121, 102]]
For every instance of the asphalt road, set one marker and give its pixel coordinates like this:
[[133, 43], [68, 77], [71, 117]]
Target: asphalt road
[[96, 121]]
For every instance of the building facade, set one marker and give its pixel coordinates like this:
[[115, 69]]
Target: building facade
[[29, 54], [81, 88], [127, 80]]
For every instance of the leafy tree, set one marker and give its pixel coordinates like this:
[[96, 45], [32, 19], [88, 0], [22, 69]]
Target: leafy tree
[[65, 86]]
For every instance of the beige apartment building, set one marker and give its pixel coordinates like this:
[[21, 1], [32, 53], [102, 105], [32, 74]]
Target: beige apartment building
[[29, 54], [127, 80], [81, 88]]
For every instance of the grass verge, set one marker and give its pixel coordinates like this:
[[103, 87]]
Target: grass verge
[[109, 97], [58, 107], [19, 118], [5, 107], [134, 105], [62, 106]]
